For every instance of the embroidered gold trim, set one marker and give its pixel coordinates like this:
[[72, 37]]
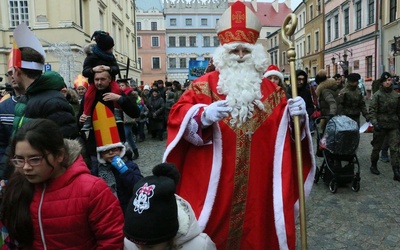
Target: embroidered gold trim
[[242, 168]]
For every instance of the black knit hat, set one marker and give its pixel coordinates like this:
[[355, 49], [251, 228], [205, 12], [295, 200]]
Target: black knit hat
[[152, 214], [103, 40], [385, 76], [353, 77]]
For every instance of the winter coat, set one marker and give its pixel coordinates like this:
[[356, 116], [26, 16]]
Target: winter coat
[[127, 105], [95, 57], [76, 210], [305, 93], [43, 99], [6, 123], [351, 103], [189, 235], [156, 106], [384, 109], [124, 182], [327, 94]]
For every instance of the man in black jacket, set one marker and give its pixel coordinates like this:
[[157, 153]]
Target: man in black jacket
[[104, 95]]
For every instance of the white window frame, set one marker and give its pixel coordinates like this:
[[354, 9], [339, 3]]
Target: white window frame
[[18, 13]]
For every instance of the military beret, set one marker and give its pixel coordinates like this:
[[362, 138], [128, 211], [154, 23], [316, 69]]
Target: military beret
[[353, 77]]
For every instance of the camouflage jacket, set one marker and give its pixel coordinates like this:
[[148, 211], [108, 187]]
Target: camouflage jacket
[[351, 103], [384, 109]]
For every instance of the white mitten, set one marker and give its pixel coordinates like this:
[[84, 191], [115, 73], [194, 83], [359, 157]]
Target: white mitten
[[297, 106], [215, 112]]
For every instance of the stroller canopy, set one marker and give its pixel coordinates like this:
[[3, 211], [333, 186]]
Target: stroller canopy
[[341, 136]]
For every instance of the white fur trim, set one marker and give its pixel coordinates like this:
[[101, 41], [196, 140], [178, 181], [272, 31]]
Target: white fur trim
[[277, 175], [216, 162], [109, 146], [274, 73]]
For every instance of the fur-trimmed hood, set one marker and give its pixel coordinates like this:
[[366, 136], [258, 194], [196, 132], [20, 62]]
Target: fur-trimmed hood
[[88, 48], [329, 83], [74, 149]]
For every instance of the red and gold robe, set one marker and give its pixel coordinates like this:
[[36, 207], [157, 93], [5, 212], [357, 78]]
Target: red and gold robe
[[242, 183]]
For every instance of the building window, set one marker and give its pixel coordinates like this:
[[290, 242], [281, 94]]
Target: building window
[[140, 63], [368, 60], [318, 7], [336, 19], [346, 22], [311, 12], [193, 59], [203, 22], [316, 41], [308, 44], [19, 12], [216, 41], [138, 25], [358, 15], [371, 10], [139, 41], [172, 63], [206, 41], [392, 10], [155, 41], [328, 30], [182, 63], [275, 41], [153, 25], [172, 22], [192, 41], [182, 41], [188, 22], [156, 63], [284, 58], [171, 41]]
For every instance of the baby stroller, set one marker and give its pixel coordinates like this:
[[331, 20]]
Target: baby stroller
[[338, 146]]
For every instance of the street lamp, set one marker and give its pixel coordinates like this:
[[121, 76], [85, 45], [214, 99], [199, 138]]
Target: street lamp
[[333, 60]]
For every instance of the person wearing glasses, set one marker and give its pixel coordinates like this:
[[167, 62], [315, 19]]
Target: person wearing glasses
[[120, 173], [51, 200]]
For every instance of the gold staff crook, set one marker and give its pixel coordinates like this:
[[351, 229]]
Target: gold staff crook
[[288, 28]]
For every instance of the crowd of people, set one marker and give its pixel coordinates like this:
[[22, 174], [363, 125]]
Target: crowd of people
[[229, 176]]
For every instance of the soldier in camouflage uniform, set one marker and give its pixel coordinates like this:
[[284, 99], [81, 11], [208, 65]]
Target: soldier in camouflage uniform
[[350, 100], [384, 112]]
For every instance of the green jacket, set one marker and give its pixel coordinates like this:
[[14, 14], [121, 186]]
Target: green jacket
[[384, 109], [351, 102], [43, 99]]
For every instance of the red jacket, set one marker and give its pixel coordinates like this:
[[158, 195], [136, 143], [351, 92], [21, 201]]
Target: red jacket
[[76, 211]]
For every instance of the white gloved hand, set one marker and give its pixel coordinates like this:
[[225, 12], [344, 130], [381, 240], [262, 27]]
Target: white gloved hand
[[215, 112], [297, 106]]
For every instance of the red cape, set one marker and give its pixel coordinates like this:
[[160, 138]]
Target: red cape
[[244, 191]]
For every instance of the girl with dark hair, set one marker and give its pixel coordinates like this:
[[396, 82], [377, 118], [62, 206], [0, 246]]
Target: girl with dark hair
[[52, 201]]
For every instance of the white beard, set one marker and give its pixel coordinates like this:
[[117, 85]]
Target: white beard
[[241, 81]]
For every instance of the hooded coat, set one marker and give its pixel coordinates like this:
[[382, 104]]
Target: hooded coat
[[327, 95], [76, 210], [189, 235]]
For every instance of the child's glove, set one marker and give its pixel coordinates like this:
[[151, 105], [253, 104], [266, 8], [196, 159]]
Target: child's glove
[[119, 164]]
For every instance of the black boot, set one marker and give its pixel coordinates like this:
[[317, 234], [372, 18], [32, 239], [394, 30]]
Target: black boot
[[396, 173], [87, 125], [374, 168], [135, 154]]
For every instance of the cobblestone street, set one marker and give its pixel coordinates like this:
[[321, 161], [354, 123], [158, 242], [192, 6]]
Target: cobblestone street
[[368, 219]]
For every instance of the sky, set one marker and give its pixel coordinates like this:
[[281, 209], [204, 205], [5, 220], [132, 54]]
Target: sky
[[293, 3]]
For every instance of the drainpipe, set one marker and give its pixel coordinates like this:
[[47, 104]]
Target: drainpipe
[[378, 39]]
